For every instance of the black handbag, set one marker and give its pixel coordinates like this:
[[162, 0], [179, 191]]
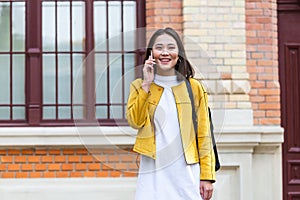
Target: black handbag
[[188, 85]]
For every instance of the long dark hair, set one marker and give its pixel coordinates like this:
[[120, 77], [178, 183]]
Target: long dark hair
[[183, 66]]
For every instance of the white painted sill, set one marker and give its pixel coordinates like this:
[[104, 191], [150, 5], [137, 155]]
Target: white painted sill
[[124, 135]]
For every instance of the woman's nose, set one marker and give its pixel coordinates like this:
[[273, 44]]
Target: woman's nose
[[165, 52]]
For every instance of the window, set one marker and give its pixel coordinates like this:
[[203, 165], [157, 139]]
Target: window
[[12, 60], [66, 62]]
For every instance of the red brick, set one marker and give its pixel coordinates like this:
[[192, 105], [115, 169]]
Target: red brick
[[47, 159], [251, 33], [102, 174], [273, 99], [94, 167], [130, 174], [255, 13], [74, 159], [115, 174], [273, 84], [121, 166], [251, 63], [128, 158], [96, 151], [2, 167], [8, 175], [76, 174], [113, 158], [54, 152], [40, 167], [268, 106], [258, 84], [86, 159], [62, 174], [100, 158], [54, 167], [6, 159], [107, 166], [40, 152], [269, 92], [150, 5], [67, 167], [259, 113], [59, 159], [80, 167], [269, 121], [172, 12], [133, 166], [34, 159], [81, 152], [68, 151], [267, 48], [26, 167], [13, 152], [35, 174], [265, 63], [49, 174], [27, 152], [162, 4], [273, 113], [20, 159], [257, 98], [251, 19], [268, 77], [254, 26], [255, 106], [89, 174], [2, 152], [257, 55], [22, 175], [264, 20], [13, 167], [176, 4]]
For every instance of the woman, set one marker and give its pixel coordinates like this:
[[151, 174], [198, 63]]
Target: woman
[[171, 165]]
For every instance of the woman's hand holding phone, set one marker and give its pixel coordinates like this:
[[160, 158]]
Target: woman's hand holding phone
[[148, 73]]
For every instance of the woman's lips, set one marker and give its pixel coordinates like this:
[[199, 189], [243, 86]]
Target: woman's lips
[[165, 60]]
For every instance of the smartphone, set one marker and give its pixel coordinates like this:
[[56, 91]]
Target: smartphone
[[154, 65]]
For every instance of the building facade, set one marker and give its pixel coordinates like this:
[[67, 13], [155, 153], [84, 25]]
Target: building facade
[[66, 70]]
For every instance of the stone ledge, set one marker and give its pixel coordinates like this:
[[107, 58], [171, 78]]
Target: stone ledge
[[108, 136], [68, 188], [66, 136]]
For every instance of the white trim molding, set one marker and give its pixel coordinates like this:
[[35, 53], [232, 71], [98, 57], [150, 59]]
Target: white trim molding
[[66, 136], [63, 188], [124, 135]]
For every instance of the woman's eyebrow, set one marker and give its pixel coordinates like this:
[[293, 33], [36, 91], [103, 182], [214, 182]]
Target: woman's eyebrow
[[161, 44]]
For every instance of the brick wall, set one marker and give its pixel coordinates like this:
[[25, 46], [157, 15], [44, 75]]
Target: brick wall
[[162, 14], [262, 64], [63, 163]]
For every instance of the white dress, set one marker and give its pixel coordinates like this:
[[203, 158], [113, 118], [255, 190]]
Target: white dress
[[168, 177]]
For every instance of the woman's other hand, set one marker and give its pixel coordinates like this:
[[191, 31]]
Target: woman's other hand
[[206, 190]]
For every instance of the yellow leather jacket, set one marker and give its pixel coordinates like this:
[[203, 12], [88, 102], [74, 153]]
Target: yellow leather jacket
[[140, 113]]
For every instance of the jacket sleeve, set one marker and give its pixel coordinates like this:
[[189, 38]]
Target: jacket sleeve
[[207, 158], [137, 109]]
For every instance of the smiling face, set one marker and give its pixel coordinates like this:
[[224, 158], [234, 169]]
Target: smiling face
[[165, 53]]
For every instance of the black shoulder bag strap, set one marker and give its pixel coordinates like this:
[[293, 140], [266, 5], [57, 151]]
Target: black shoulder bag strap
[[188, 85]]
